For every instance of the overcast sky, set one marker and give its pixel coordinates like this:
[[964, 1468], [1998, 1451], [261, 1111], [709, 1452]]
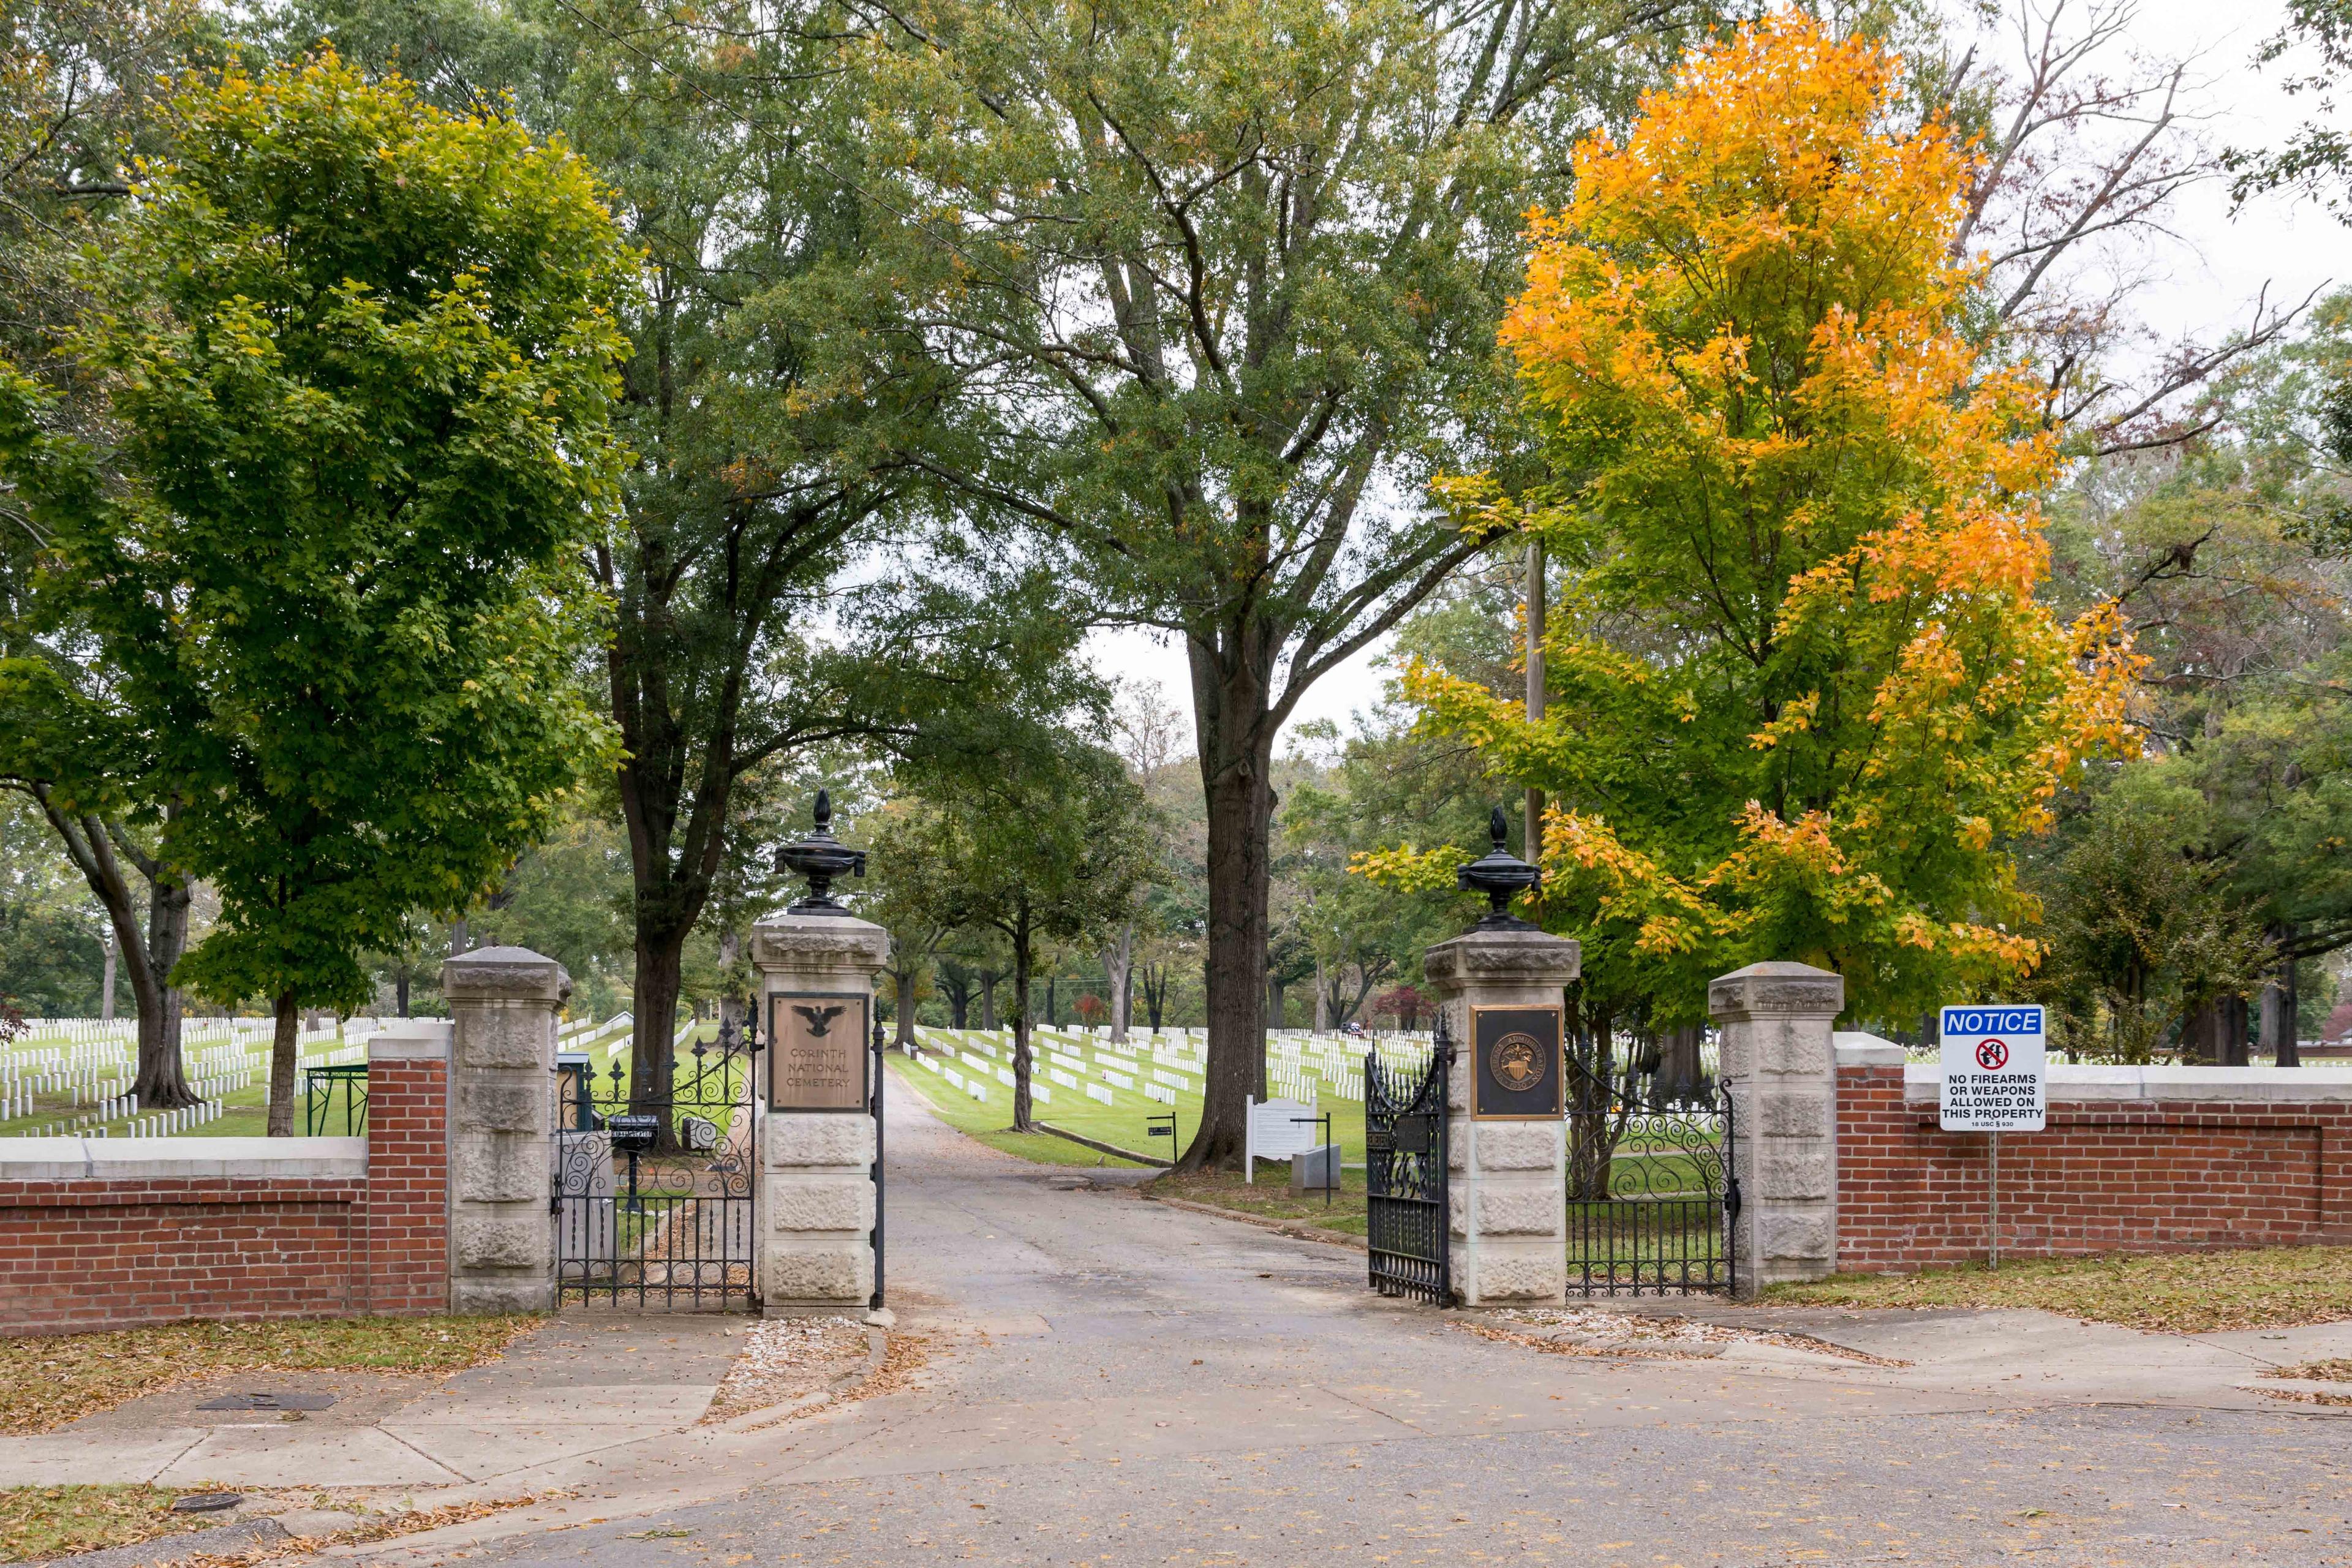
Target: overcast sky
[[2199, 288]]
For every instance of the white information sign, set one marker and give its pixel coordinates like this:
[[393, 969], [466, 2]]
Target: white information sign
[[1992, 1069]]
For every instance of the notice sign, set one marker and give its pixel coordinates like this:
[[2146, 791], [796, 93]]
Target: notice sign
[[1992, 1069]]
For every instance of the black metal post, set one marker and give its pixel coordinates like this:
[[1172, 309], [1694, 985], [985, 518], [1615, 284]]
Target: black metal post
[[1442, 1050], [874, 1104]]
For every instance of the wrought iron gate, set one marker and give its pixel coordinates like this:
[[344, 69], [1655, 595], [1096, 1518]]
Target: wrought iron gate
[[1651, 1196], [655, 1194], [1408, 1215]]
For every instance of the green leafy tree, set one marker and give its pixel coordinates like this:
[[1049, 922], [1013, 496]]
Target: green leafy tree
[[1802, 693], [1221, 285], [2139, 928], [359, 355], [2232, 560], [771, 399], [1053, 849]]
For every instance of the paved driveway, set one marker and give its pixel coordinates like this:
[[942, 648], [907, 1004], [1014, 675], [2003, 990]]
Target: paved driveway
[[1116, 1382]]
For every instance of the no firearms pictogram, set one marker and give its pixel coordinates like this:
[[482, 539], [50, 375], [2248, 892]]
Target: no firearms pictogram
[[1992, 1056]]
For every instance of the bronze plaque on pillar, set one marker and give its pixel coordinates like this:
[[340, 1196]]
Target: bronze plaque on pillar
[[1515, 1064], [816, 1052]]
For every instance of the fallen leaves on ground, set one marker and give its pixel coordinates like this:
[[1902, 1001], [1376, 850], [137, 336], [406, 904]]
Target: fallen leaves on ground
[[785, 1358], [48, 1380], [38, 1522], [1592, 1332], [2335, 1369], [2182, 1292]]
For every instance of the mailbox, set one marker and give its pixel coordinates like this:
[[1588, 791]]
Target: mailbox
[[633, 1134]]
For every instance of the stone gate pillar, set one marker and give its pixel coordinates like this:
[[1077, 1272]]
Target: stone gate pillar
[[503, 1003], [817, 1146], [1509, 1165], [1779, 1066]]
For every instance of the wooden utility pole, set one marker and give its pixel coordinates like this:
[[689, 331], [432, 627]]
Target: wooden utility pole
[[1533, 848]]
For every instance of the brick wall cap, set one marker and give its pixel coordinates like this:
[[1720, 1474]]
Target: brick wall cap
[[150, 1159], [42, 1159], [1776, 988], [1519, 957], [2068, 1081], [1858, 1048], [411, 1040], [513, 972]]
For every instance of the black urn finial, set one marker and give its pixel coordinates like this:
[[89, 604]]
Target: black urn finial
[[821, 857], [1501, 876]]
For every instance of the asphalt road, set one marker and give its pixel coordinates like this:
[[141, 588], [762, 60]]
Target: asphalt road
[[1114, 1382]]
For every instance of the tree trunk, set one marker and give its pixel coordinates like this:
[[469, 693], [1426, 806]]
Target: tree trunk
[[653, 1058], [1322, 996], [987, 1000], [2289, 1049], [959, 993], [1155, 993], [2272, 1015], [400, 989], [1118, 968], [461, 939], [163, 1079], [1235, 767], [1678, 1072], [1053, 1002], [903, 981], [285, 1052], [1023, 1120], [2278, 1005], [98, 850], [106, 978]]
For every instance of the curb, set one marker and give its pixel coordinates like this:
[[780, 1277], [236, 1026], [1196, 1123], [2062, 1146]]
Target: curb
[[1100, 1147], [1279, 1227]]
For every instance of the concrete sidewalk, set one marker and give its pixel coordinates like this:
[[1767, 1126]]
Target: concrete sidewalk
[[589, 1382]]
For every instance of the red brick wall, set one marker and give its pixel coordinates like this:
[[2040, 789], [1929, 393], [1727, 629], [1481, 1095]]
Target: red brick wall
[[2149, 1175], [407, 1234], [103, 1254], [94, 1254]]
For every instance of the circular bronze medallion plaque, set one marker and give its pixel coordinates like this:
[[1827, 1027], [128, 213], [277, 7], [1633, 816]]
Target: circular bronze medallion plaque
[[1517, 1062]]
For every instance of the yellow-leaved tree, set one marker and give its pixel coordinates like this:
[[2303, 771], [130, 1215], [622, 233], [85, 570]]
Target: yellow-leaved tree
[[1802, 693]]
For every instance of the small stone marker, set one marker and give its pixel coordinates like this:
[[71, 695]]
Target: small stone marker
[[1316, 1169], [1992, 1059]]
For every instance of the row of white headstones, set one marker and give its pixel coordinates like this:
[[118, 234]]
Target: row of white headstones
[[1158, 1066], [83, 1076]]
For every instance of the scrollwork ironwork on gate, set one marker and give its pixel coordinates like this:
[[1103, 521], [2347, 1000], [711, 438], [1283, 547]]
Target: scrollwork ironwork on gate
[[1408, 1213], [1651, 1195], [654, 1193]]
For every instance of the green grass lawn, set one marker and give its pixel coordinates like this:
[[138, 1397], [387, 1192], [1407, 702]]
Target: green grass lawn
[[987, 1123], [1125, 1121], [1269, 1197], [40, 1522]]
